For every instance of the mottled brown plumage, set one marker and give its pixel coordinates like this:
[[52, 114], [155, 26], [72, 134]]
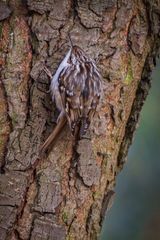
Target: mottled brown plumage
[[76, 89], [80, 89]]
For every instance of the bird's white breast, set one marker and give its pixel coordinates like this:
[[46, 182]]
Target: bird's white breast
[[55, 80]]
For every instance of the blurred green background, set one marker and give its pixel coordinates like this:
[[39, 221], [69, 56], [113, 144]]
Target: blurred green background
[[135, 214]]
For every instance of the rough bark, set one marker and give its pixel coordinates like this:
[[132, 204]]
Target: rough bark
[[65, 194]]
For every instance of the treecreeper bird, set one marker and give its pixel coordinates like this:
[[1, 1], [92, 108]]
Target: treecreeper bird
[[76, 88]]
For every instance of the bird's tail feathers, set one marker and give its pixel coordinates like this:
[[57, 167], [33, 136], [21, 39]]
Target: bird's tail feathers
[[53, 136]]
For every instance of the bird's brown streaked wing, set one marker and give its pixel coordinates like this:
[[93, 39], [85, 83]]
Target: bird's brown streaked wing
[[70, 94], [79, 90]]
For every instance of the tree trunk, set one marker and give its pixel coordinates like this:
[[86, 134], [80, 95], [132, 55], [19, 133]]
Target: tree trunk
[[65, 194]]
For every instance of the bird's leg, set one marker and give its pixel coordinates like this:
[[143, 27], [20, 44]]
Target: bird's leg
[[48, 72], [62, 113], [52, 137]]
